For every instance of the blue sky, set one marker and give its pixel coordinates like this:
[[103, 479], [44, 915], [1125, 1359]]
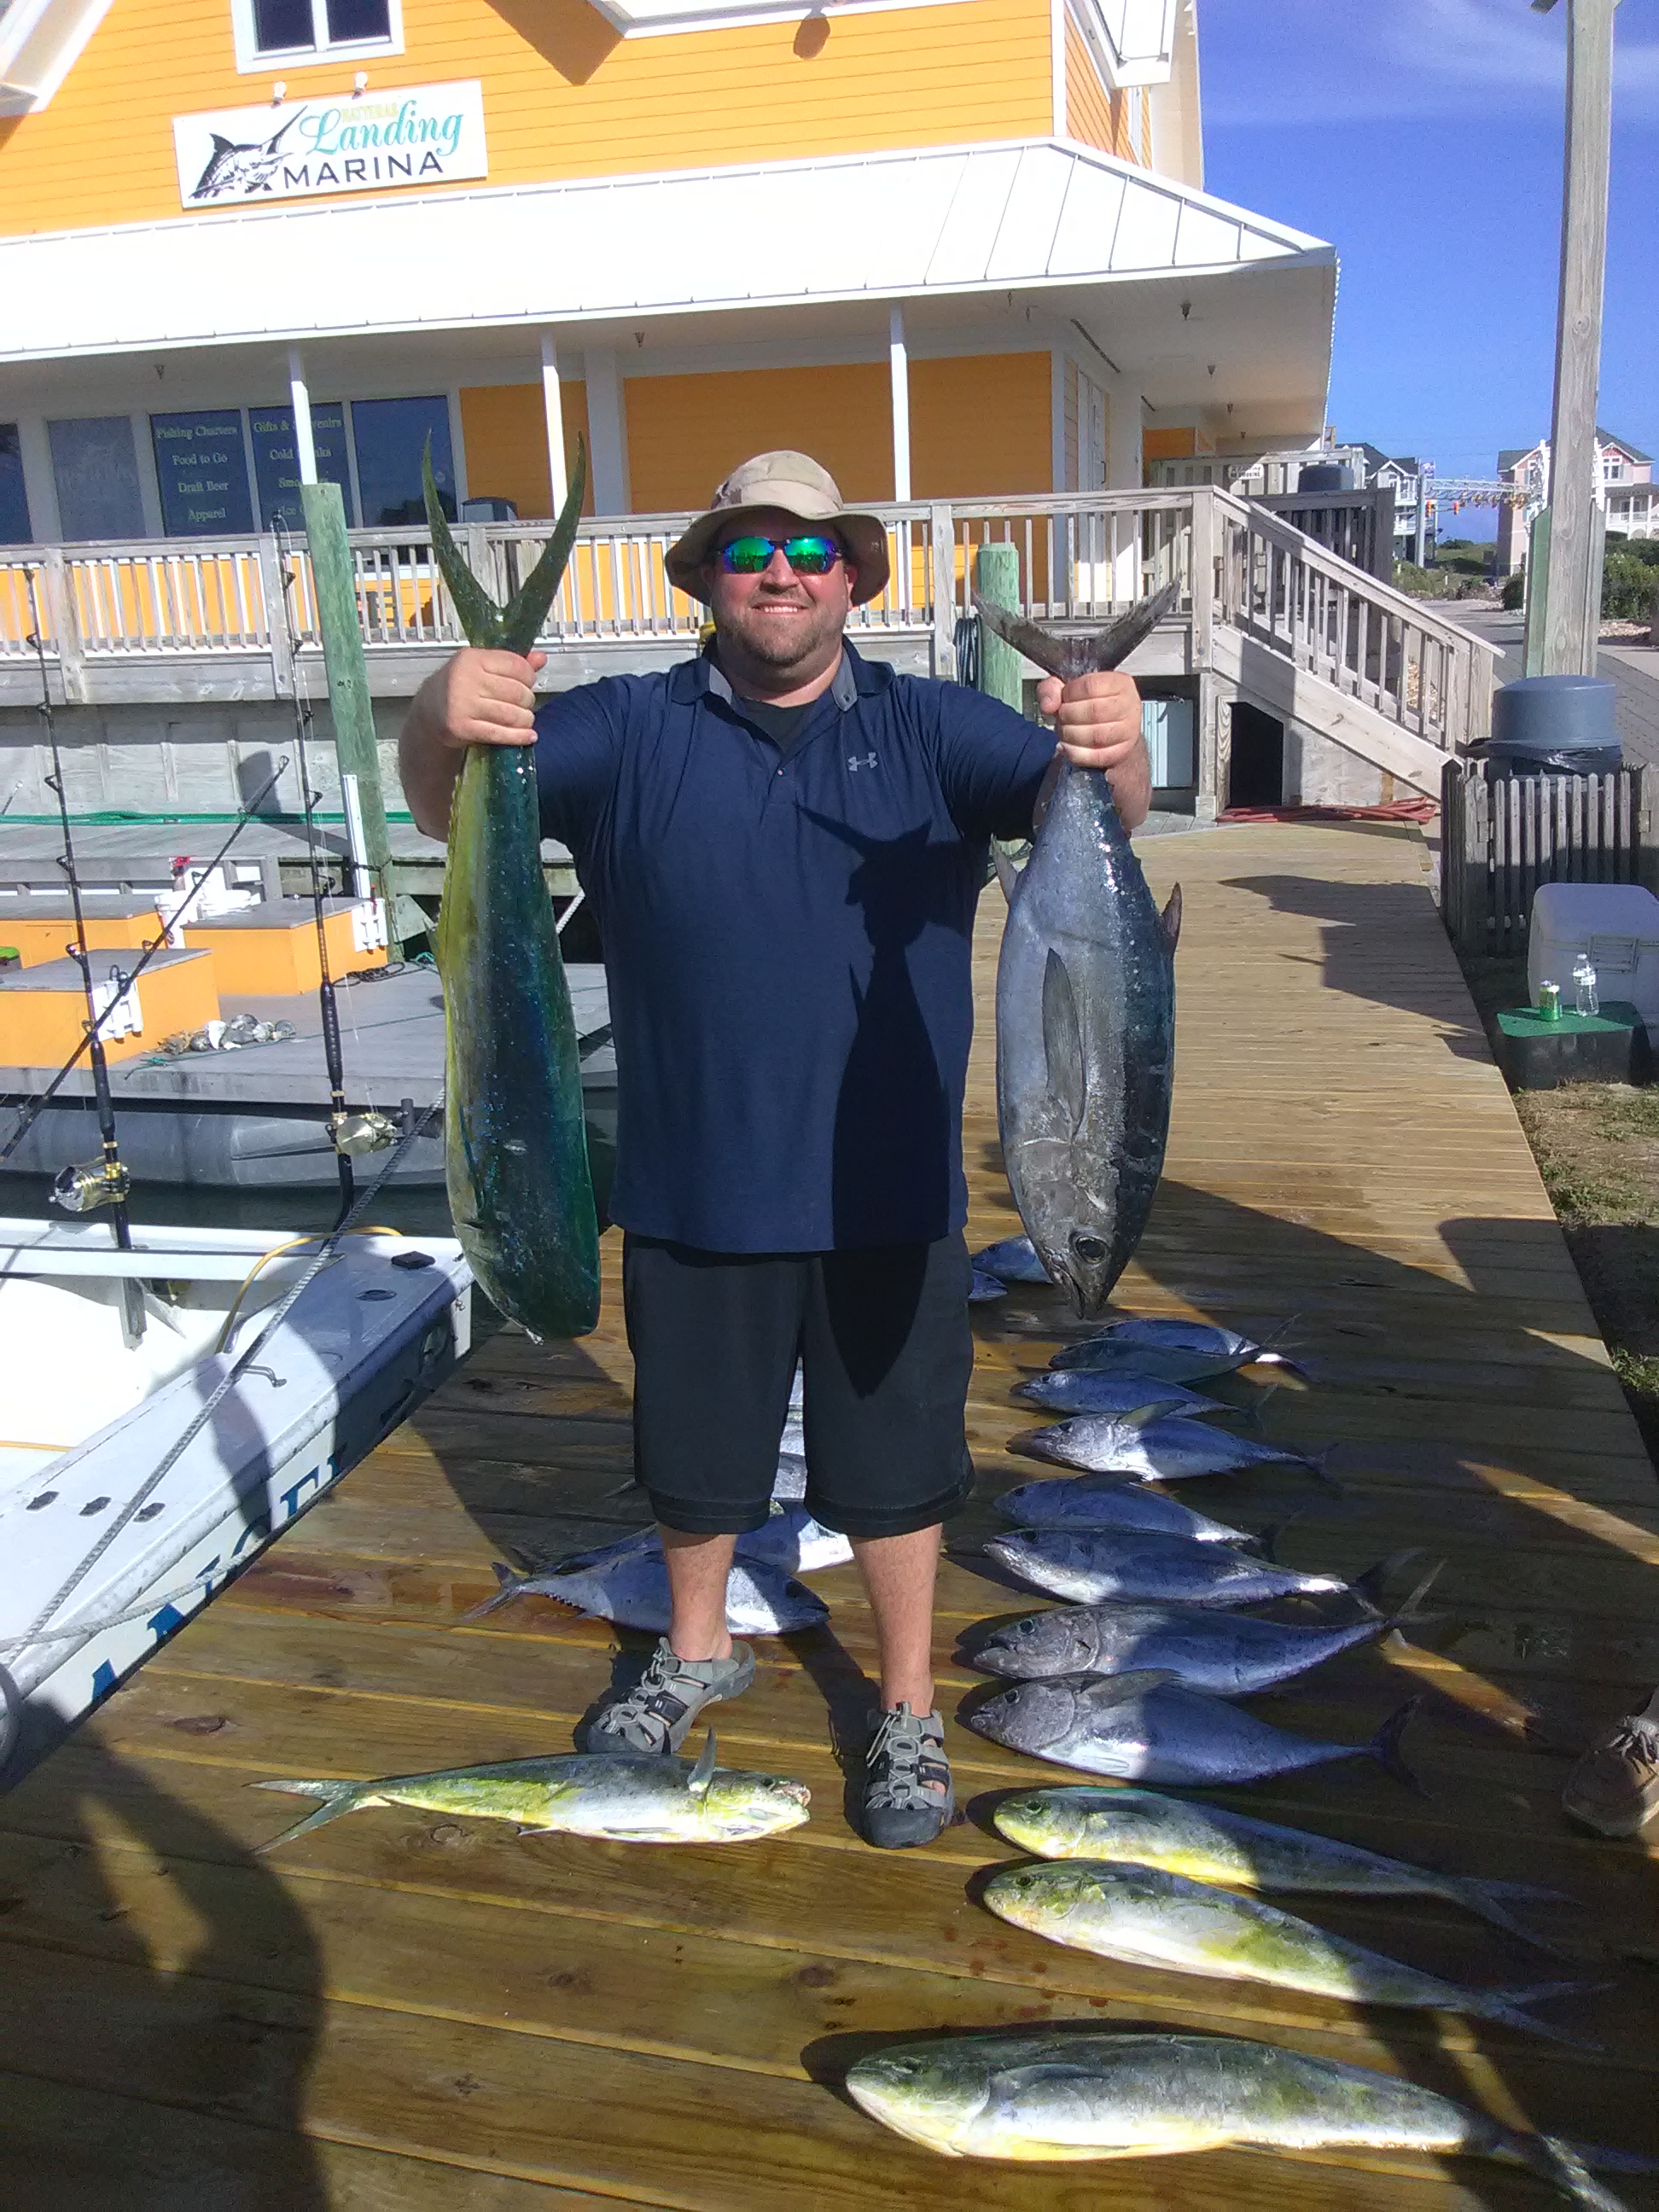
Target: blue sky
[[1424, 139]]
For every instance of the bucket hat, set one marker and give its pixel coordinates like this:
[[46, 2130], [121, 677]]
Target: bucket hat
[[796, 484]]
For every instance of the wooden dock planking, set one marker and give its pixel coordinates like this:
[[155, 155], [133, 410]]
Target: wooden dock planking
[[405, 2010]]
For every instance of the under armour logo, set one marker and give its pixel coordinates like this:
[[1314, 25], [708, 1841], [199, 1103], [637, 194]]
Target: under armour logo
[[854, 763]]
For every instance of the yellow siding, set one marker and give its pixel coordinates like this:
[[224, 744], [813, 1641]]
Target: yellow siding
[[981, 426], [505, 435], [1167, 445], [563, 95], [685, 434], [1094, 115]]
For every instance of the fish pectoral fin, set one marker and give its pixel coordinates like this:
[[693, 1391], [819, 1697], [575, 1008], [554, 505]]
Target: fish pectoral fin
[[1120, 1689], [1062, 1039], [703, 1772], [1170, 921], [1142, 1417]]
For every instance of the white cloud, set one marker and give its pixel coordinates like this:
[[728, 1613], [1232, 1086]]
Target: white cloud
[[1331, 61]]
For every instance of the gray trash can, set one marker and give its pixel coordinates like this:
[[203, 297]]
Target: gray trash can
[[1554, 725]]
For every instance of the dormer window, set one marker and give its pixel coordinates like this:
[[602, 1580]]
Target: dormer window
[[269, 32]]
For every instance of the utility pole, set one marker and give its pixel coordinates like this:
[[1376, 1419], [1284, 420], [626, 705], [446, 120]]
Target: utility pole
[[1571, 574]]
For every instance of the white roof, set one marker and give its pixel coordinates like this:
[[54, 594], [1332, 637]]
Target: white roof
[[949, 222]]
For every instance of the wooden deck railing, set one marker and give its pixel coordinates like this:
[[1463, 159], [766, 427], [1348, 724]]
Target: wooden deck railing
[[210, 609]]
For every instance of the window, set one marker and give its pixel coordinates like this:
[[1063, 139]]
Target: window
[[276, 466], [201, 464], [390, 436], [14, 499], [270, 31], [94, 464]]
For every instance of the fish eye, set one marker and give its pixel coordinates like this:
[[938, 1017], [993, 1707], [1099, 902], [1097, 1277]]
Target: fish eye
[[1088, 1249]]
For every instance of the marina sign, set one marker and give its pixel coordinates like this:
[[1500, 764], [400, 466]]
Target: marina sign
[[367, 142]]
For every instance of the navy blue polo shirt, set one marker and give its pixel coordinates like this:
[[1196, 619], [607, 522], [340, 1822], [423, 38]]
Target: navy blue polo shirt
[[789, 942]]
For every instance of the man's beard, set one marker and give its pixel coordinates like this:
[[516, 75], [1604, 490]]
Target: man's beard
[[785, 645]]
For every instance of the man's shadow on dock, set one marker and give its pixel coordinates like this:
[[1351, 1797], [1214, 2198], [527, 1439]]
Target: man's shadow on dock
[[167, 2067]]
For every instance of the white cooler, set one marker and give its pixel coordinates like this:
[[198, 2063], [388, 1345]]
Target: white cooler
[[1616, 924]]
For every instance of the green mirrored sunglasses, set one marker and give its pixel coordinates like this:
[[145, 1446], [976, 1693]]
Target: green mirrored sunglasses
[[807, 556]]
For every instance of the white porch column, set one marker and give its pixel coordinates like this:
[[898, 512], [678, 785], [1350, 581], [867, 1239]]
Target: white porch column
[[552, 408], [39, 482], [898, 362], [1125, 468], [607, 429], [305, 445]]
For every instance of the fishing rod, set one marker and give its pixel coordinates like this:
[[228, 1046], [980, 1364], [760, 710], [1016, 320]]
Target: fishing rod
[[107, 1182], [34, 1107], [348, 1132]]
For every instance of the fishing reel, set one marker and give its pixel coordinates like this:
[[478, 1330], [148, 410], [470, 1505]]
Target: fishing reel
[[353, 1134], [93, 1183]]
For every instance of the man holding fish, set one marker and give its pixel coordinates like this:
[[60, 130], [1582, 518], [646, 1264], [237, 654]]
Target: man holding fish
[[785, 843]]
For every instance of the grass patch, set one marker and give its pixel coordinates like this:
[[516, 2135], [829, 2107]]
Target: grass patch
[[1597, 1149]]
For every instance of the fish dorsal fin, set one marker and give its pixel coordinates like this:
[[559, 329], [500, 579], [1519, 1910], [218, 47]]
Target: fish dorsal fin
[[703, 1772], [1062, 1039], [1122, 1689], [1007, 873], [1170, 920], [1144, 1416]]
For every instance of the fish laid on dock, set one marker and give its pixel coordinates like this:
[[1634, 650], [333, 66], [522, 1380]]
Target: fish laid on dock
[[1147, 1726], [1164, 1333], [1014, 1260], [1105, 2095], [1085, 1005], [1143, 1916], [789, 1538], [1180, 1352], [622, 1798], [630, 1588], [1089, 1502], [1154, 1446], [1231, 1655], [516, 1144], [1079, 1821], [1093, 1566], [1128, 1390]]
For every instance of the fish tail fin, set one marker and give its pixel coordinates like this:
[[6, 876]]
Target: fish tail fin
[[1368, 1588], [1271, 1342], [338, 1797], [1384, 1747], [508, 1585], [1318, 1465], [1252, 1416], [1410, 1609], [1267, 1542], [1566, 2167], [1513, 2007], [1478, 1897]]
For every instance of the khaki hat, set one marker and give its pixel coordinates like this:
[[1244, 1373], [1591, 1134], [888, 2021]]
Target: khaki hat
[[796, 484]]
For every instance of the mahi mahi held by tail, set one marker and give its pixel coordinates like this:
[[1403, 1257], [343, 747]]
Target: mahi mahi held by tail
[[1085, 1006], [516, 1148]]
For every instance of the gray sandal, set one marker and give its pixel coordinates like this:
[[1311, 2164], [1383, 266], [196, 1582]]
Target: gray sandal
[[657, 1714]]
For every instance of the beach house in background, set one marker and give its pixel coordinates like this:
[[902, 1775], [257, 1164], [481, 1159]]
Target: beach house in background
[[1624, 490], [960, 247]]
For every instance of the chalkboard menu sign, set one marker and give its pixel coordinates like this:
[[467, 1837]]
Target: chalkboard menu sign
[[202, 468], [276, 463]]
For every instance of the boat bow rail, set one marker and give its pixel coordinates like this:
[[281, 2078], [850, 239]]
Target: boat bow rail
[[379, 1327]]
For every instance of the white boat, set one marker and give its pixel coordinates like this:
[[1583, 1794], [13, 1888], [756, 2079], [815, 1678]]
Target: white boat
[[108, 1359]]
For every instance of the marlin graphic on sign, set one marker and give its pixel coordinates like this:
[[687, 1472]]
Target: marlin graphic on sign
[[247, 168]]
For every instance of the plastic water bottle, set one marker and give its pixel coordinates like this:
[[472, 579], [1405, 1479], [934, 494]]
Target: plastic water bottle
[[1584, 976]]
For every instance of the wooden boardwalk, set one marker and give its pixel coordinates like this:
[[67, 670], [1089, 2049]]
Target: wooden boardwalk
[[416, 2012]]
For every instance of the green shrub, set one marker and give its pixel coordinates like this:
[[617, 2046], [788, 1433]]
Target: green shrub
[[1515, 590], [1630, 578]]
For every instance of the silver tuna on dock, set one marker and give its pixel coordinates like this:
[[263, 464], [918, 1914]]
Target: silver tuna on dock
[[1164, 1448], [1147, 1726], [1091, 1566], [1085, 1006], [631, 1588], [1102, 2095], [1090, 1502], [1232, 1655]]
